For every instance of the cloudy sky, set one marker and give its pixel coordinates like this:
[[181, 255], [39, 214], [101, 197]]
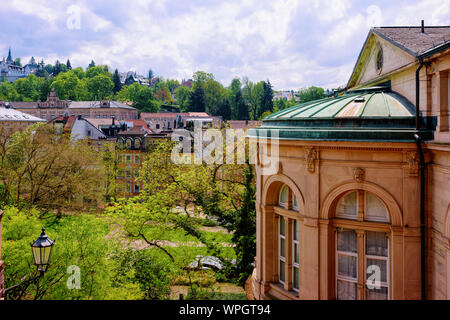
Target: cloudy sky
[[293, 43]]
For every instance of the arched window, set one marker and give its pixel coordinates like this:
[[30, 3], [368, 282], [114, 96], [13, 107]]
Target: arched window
[[137, 143], [283, 196], [362, 245], [287, 212]]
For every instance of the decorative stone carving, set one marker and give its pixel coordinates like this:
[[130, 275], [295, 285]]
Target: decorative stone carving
[[359, 175], [413, 163], [311, 157], [280, 168]]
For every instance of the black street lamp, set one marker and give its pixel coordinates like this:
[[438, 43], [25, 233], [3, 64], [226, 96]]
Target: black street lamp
[[42, 250]]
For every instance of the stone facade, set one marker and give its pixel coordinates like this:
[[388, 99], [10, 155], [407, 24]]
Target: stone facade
[[54, 108], [300, 225]]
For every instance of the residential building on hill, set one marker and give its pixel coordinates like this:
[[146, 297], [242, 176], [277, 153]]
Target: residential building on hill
[[11, 72], [357, 206]]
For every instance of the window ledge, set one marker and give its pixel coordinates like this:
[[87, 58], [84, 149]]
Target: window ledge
[[279, 291]]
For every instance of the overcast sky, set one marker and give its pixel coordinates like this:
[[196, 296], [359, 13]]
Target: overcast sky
[[292, 43]]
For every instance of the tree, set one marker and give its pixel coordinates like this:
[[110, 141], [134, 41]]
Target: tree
[[59, 68], [242, 108], [311, 94], [224, 109], [141, 96], [182, 95], [92, 64], [96, 71], [43, 169], [17, 62], [65, 85], [267, 98], [150, 74], [163, 94], [68, 65], [234, 89], [82, 241], [116, 81], [129, 80], [197, 100], [49, 68], [100, 86]]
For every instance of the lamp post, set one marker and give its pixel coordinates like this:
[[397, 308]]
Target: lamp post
[[42, 250]]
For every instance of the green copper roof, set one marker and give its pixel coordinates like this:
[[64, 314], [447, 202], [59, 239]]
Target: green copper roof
[[361, 115], [363, 104]]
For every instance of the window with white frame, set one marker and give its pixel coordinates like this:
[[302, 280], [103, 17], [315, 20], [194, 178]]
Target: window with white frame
[[362, 245], [288, 239], [296, 255], [282, 250], [347, 265], [283, 196]]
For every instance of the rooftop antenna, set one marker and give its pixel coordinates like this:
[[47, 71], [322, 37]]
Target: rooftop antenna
[[423, 26]]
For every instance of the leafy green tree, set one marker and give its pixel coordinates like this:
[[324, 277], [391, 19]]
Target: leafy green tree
[[29, 88], [141, 96], [49, 68], [81, 241], [172, 85], [182, 95], [59, 67], [92, 64], [311, 93], [40, 168], [8, 92], [97, 71], [79, 72], [99, 86], [163, 94], [65, 85]]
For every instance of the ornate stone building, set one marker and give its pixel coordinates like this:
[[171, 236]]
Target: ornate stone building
[[54, 108], [358, 204]]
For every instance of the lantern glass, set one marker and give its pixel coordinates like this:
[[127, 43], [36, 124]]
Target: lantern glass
[[42, 249]]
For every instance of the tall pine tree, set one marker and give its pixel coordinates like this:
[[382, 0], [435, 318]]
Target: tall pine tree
[[197, 100], [68, 65], [116, 81]]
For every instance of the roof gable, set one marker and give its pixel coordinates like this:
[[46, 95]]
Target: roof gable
[[400, 46]]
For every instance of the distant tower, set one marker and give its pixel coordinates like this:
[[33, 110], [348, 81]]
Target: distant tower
[[9, 59]]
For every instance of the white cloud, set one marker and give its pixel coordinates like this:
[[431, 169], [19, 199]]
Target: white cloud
[[292, 43]]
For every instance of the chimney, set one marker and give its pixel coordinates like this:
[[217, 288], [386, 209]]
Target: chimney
[[423, 26]]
